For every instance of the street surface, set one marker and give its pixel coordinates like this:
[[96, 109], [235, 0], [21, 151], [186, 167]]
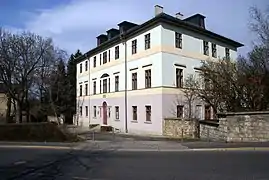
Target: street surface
[[132, 159]]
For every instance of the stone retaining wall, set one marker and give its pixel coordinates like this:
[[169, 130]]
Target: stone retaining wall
[[238, 127], [176, 127]]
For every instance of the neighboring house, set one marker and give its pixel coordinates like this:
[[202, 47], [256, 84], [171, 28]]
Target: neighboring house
[[131, 79], [3, 102]]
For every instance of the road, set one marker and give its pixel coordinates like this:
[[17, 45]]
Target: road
[[68, 164]]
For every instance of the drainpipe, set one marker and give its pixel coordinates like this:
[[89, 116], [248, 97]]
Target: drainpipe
[[89, 90], [125, 77]]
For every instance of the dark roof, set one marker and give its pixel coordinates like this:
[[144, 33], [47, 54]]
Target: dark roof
[[161, 18], [112, 29]]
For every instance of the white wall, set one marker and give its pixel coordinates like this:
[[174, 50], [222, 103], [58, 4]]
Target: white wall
[[193, 42]]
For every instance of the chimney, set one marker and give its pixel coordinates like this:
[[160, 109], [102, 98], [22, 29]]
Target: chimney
[[158, 10], [179, 16]]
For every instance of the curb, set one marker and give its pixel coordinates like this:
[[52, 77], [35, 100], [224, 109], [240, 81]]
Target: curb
[[38, 147], [198, 150]]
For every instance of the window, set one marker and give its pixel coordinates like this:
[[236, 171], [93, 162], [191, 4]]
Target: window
[[94, 87], [100, 111], [117, 112], [100, 86], [148, 78], [80, 68], [86, 66], [207, 112], [180, 111], [135, 113], [148, 113], [134, 46], [178, 40], [104, 57], [80, 110], [94, 111], [227, 53], [147, 41], [206, 52], [86, 111], [117, 52], [80, 90], [109, 112], [94, 61], [179, 78], [116, 83], [105, 86], [108, 84], [134, 81], [100, 59], [86, 89], [109, 55], [214, 50]]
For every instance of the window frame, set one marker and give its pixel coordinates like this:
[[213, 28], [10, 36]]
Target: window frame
[[148, 78], [117, 52], [105, 57], [148, 113], [117, 112], [227, 53], [94, 61], [86, 89], [86, 65], [147, 41], [178, 40], [134, 81], [206, 48], [94, 111], [105, 83], [179, 78], [94, 87], [214, 50], [80, 90], [86, 111], [134, 110], [117, 83], [80, 68], [134, 46], [180, 114]]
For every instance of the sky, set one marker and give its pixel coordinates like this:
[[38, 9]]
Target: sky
[[75, 24]]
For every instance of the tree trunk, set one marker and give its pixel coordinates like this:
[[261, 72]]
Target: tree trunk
[[19, 112], [8, 119]]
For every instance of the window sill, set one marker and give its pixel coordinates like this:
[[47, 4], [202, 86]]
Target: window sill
[[94, 117], [147, 122], [134, 121], [117, 120]]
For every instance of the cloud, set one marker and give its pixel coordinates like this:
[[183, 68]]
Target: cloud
[[75, 25]]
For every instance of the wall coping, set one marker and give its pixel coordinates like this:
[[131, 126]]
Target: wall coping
[[243, 113], [176, 119], [209, 123]]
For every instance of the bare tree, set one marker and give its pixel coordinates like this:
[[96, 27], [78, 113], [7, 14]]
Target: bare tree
[[22, 56]]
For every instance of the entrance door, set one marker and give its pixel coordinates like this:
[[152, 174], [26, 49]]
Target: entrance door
[[104, 113]]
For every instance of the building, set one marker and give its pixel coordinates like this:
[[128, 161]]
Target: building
[[131, 79], [3, 103]]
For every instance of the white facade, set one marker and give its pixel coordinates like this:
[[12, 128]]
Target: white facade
[[162, 58]]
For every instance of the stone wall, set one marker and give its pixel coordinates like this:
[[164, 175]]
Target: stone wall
[[176, 127], [237, 127], [249, 127], [209, 130]]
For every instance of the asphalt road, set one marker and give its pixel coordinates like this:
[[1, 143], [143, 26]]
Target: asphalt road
[[59, 164]]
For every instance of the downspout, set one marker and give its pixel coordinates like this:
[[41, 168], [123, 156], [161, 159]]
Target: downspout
[[125, 77], [89, 90]]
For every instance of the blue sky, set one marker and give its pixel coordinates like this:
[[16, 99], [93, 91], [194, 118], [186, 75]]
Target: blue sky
[[74, 24]]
